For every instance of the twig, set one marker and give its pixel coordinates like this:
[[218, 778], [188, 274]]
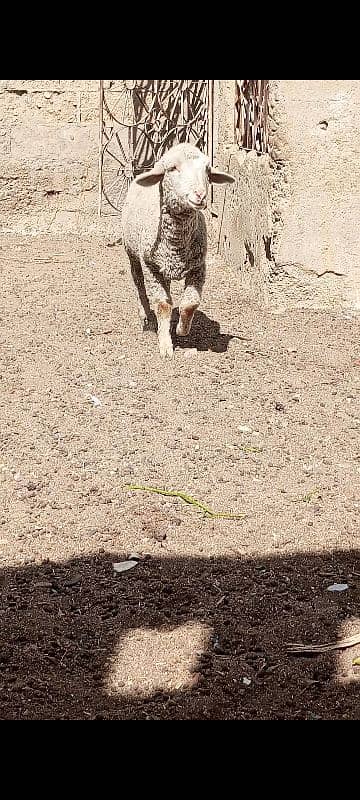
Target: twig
[[324, 648], [187, 499], [247, 448], [36, 259]]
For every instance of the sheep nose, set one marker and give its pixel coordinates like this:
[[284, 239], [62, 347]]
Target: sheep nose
[[200, 195]]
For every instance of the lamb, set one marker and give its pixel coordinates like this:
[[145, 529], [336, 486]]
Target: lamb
[[164, 234]]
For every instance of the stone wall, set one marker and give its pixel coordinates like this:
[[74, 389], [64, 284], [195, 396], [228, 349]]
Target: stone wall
[[242, 212], [49, 156], [316, 193], [289, 225]]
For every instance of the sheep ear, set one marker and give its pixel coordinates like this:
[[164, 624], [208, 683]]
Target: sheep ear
[[220, 177], [151, 177]]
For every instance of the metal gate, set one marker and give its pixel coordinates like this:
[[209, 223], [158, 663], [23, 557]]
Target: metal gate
[[139, 120], [251, 115]]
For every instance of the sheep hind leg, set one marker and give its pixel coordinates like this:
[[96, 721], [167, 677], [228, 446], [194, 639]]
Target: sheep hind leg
[[146, 315]]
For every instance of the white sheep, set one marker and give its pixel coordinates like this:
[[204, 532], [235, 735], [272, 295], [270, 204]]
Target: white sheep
[[164, 234]]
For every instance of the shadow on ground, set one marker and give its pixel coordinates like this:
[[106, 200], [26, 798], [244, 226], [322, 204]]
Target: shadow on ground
[[204, 335], [195, 639]]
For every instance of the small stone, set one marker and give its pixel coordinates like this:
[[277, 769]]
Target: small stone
[[279, 406], [123, 566], [73, 581], [313, 716], [338, 587], [159, 536], [44, 584], [95, 400], [245, 429]]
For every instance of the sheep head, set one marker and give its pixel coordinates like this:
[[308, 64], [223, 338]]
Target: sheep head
[[185, 173]]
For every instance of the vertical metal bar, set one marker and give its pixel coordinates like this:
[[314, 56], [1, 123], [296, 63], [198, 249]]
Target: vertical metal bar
[[236, 111], [266, 116], [101, 130], [210, 131], [133, 138]]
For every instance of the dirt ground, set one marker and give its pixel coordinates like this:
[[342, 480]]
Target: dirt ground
[[257, 413]]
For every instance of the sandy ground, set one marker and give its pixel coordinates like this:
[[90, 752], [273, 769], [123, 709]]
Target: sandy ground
[[257, 413]]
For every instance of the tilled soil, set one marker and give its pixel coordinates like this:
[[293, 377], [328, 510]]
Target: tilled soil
[[257, 413]]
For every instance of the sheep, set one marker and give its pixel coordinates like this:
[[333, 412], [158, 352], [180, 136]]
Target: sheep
[[164, 235]]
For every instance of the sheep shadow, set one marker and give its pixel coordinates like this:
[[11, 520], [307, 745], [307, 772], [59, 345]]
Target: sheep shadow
[[65, 625], [204, 335]]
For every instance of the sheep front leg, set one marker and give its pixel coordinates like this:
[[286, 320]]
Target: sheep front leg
[[190, 301], [163, 309], [158, 290]]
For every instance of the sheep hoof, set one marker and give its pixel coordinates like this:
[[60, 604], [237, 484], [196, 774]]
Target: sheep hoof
[[186, 317], [166, 348], [180, 331]]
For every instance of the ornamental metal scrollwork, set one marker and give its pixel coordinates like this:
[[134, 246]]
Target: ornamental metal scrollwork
[[251, 115], [139, 120]]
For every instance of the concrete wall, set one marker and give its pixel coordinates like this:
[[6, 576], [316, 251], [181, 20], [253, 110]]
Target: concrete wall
[[316, 148], [242, 227], [48, 156], [290, 224], [245, 221]]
